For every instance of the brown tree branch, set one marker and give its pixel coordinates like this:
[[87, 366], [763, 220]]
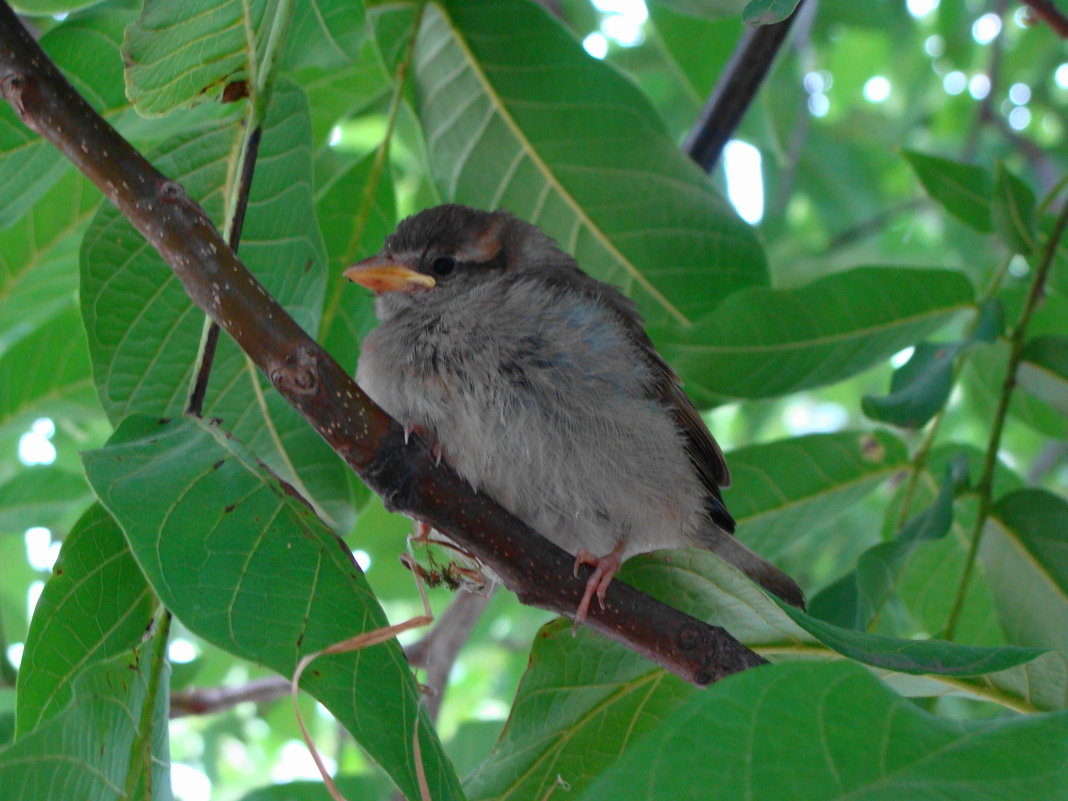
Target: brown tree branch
[[1047, 11], [735, 90], [405, 475]]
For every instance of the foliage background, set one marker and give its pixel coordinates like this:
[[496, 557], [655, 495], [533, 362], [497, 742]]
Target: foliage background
[[869, 243]]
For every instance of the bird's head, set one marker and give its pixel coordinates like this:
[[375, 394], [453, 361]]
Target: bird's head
[[450, 249]]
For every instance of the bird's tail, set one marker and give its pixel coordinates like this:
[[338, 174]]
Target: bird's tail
[[753, 565]]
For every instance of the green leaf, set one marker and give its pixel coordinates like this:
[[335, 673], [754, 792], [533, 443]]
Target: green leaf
[[984, 372], [42, 7], [178, 54], [768, 12], [1025, 553], [349, 312], [702, 585], [30, 165], [831, 731], [39, 257], [1043, 370], [803, 483], [585, 701], [59, 386], [42, 496], [921, 386], [239, 558], [581, 703], [711, 9], [581, 153], [327, 34], [857, 598], [963, 190], [108, 744], [363, 787], [144, 332], [761, 343], [1012, 211], [95, 607], [918, 389]]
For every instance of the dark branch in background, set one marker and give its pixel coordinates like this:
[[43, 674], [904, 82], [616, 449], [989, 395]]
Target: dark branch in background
[[211, 339], [1047, 11], [437, 651], [735, 90], [373, 444]]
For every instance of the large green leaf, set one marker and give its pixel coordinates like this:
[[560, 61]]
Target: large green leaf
[[42, 496], [585, 700], [1025, 552], [95, 607], [349, 312], [57, 385], [1043, 370], [832, 732], [854, 600], [144, 331], [239, 558], [782, 489], [327, 34], [963, 190], [579, 152], [179, 54], [761, 343], [39, 257], [29, 165], [108, 744], [706, 8], [1012, 211], [984, 373]]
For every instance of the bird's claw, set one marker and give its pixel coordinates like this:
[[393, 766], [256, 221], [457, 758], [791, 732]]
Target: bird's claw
[[604, 570]]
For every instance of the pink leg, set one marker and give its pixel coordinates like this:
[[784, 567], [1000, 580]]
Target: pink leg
[[604, 570]]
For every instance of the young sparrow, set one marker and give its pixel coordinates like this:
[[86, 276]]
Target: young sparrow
[[540, 387]]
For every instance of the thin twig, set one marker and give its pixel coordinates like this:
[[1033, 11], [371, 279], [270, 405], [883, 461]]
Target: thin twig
[[259, 87], [371, 443], [1016, 345], [735, 90]]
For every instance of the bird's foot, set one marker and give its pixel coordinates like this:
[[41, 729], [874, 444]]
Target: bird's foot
[[428, 436], [420, 532], [604, 570]]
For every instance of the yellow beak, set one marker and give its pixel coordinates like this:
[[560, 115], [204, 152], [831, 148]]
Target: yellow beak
[[380, 274]]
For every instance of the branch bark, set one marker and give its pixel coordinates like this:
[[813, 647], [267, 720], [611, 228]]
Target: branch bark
[[735, 90], [405, 475]]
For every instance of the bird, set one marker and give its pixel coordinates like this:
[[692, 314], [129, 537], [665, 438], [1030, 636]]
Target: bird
[[539, 386]]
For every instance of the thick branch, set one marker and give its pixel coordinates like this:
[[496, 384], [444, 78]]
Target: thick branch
[[537, 571], [735, 90]]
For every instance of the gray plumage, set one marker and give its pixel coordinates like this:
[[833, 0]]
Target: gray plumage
[[541, 388]]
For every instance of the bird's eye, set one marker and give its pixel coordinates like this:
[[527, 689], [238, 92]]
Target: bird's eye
[[443, 265]]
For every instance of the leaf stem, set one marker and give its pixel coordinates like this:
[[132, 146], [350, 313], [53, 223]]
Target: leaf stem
[[260, 83], [986, 480], [139, 771], [400, 78]]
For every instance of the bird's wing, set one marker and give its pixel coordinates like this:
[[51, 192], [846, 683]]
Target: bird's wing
[[704, 452]]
